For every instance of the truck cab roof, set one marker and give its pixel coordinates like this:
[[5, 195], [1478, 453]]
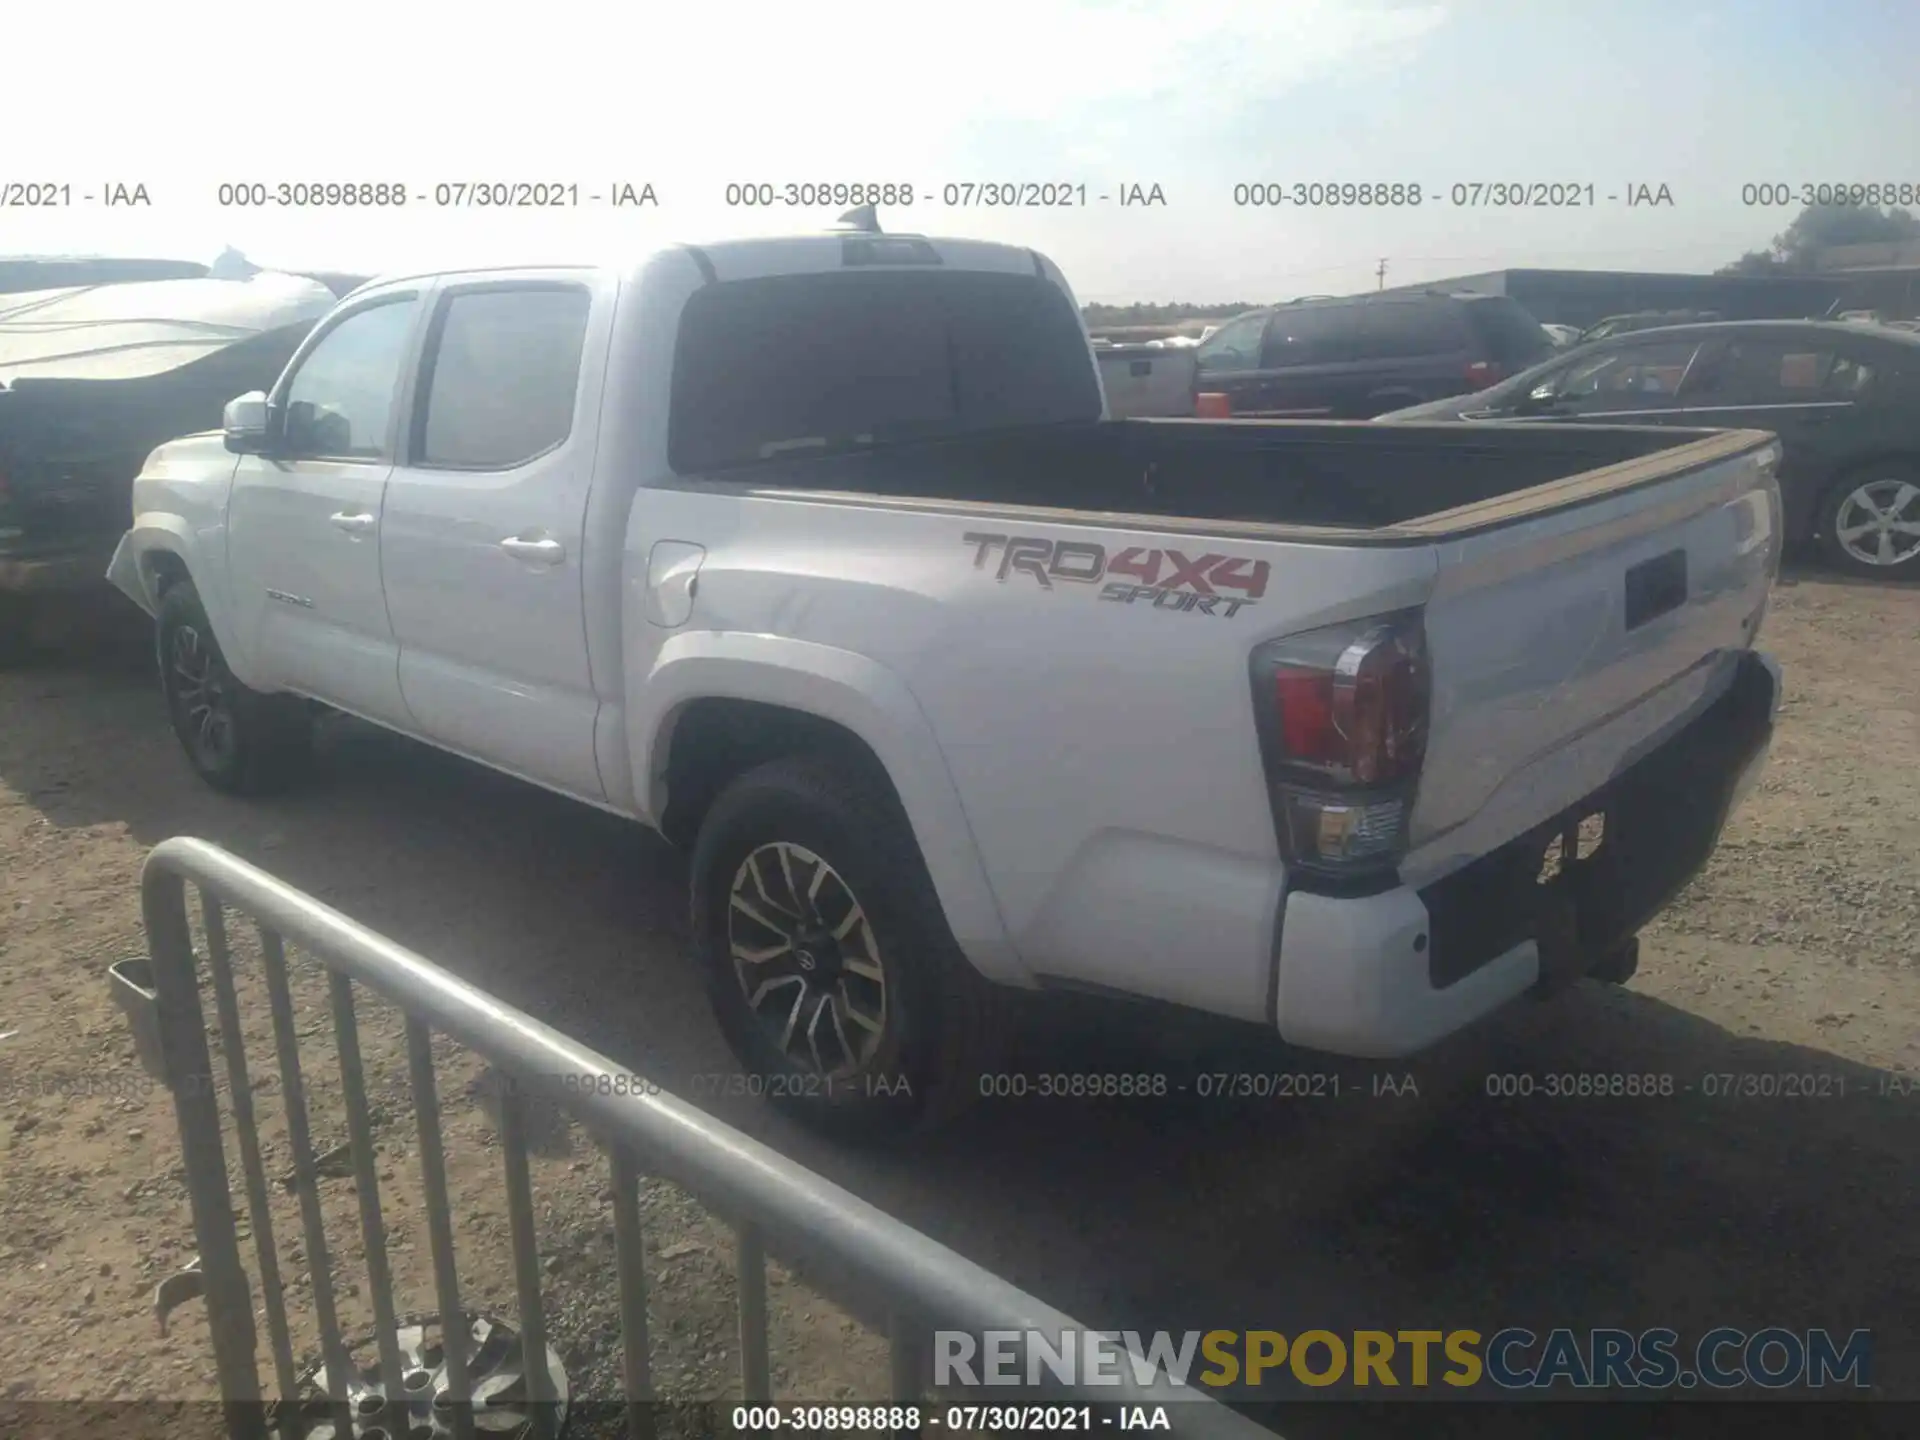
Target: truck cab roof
[[759, 256]]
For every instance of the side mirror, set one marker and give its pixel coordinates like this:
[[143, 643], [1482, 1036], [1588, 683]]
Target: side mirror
[[245, 423]]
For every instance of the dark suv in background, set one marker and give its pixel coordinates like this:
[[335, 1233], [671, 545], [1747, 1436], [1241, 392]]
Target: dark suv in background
[[1356, 357]]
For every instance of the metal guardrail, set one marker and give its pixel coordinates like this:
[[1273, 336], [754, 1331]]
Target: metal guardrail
[[771, 1200]]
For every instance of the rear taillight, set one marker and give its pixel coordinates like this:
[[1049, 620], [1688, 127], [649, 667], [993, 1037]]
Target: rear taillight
[[1342, 716], [1213, 405], [1483, 373]]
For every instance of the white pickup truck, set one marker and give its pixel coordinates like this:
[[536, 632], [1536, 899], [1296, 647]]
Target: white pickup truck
[[821, 556]]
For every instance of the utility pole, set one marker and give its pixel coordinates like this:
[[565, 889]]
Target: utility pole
[[1380, 274]]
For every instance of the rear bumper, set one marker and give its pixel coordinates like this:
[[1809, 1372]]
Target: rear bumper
[[1392, 973]]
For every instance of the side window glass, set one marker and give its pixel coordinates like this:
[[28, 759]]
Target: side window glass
[[1631, 373], [1780, 372], [340, 401], [501, 377], [1319, 335], [1234, 346]]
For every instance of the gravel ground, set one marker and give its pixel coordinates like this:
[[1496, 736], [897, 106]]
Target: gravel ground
[[1795, 953]]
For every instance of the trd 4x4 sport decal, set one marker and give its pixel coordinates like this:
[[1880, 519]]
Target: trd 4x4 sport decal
[[1221, 585]]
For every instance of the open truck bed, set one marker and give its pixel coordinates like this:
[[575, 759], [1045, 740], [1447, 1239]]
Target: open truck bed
[[1356, 480]]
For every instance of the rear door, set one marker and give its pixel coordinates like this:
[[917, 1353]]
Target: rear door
[[480, 549], [303, 524], [1409, 351], [1805, 390]]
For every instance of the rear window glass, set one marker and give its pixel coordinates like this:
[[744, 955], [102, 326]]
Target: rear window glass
[[797, 364], [501, 381], [1510, 334]]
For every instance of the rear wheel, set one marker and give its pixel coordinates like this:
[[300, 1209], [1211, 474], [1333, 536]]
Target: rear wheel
[[1870, 523], [237, 740], [828, 959]]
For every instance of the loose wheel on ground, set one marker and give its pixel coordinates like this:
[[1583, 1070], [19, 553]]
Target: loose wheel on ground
[[828, 959], [237, 739]]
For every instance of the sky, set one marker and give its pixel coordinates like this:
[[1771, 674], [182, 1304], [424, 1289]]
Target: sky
[[1702, 98]]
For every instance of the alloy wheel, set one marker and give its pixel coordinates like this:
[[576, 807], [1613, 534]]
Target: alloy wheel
[[804, 952], [202, 698], [1879, 522]]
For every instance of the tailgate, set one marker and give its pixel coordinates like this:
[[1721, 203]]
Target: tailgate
[[1567, 642]]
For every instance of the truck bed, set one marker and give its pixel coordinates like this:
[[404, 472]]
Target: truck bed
[[1351, 477]]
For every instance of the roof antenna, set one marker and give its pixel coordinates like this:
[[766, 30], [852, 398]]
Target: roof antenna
[[862, 218]]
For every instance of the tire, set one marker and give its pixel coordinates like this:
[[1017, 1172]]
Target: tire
[[238, 740], [941, 1026], [1870, 522]]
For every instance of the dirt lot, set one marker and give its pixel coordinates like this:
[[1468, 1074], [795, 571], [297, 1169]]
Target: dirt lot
[[1798, 952]]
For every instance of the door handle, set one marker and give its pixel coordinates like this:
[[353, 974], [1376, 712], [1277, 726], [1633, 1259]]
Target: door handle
[[354, 522], [546, 550]]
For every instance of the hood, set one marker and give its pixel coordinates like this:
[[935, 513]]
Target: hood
[[135, 330]]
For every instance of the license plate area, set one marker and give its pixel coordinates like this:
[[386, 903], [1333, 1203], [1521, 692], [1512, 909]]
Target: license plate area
[[1580, 884]]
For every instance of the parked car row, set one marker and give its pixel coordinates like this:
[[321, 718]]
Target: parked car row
[[1842, 395], [1844, 399]]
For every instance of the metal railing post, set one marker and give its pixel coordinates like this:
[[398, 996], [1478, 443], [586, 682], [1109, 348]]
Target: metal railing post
[[446, 1274], [526, 1263], [246, 1126], [196, 1110], [630, 1259], [306, 1178], [756, 1373]]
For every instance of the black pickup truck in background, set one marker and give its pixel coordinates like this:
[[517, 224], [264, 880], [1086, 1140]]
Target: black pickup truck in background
[[100, 362]]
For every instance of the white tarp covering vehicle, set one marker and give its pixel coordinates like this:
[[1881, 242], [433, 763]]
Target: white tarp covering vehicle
[[92, 378]]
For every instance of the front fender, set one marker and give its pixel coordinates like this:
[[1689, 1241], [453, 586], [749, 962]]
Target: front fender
[[864, 697], [159, 541]]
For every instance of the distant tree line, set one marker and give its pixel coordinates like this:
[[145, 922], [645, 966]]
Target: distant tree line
[[1795, 249]]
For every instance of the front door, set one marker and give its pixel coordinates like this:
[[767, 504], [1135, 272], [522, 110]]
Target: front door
[[484, 529], [1228, 362], [1640, 382], [303, 522], [1308, 366]]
